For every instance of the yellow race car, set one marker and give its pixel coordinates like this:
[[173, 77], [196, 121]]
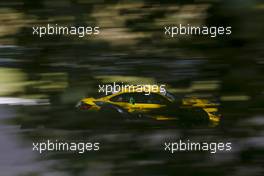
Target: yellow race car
[[157, 105]]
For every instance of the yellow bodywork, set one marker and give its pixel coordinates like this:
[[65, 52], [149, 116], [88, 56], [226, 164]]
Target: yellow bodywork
[[210, 108], [128, 106]]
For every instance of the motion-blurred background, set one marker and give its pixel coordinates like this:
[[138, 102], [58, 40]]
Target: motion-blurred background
[[43, 78]]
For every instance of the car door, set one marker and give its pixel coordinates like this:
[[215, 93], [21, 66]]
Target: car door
[[139, 101], [151, 101], [126, 101]]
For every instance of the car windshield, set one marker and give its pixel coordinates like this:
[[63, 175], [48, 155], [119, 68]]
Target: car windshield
[[170, 96]]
